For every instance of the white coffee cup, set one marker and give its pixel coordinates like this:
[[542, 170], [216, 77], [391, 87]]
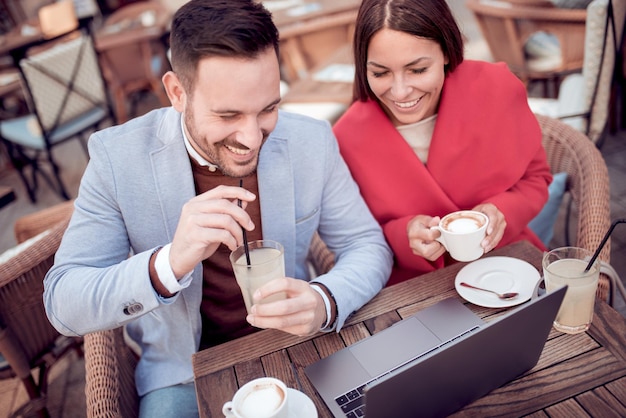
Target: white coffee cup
[[462, 233], [265, 397]]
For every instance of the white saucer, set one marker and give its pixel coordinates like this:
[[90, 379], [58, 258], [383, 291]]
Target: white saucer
[[502, 274], [300, 405]]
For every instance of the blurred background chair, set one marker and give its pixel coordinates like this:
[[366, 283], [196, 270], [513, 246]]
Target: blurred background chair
[[584, 98], [586, 191], [68, 100], [306, 47], [27, 226], [132, 49], [507, 27], [27, 339]]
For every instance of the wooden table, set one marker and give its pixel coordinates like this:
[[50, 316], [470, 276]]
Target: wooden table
[[577, 375], [132, 31]]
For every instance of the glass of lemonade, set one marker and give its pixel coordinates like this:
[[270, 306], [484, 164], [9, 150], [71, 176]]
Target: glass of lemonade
[[566, 266], [267, 262]]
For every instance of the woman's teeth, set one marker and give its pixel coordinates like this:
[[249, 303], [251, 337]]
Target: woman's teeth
[[406, 104]]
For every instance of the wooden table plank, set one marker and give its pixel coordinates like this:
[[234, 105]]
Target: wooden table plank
[[328, 344], [248, 370], [609, 328], [618, 389], [566, 409], [564, 347], [214, 390], [601, 403], [249, 347], [549, 386], [305, 354]]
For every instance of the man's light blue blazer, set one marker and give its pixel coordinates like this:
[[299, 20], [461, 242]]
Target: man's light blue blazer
[[129, 202]]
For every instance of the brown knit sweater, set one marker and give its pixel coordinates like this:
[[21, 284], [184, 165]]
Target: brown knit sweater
[[222, 308]]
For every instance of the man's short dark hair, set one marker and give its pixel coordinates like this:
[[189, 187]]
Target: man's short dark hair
[[228, 28]]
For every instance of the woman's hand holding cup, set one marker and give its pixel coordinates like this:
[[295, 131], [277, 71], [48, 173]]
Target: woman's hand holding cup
[[462, 234]]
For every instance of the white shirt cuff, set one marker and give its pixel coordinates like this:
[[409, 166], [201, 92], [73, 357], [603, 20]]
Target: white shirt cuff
[[165, 273], [326, 303]]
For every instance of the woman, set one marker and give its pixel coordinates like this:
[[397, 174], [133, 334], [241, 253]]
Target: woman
[[430, 133]]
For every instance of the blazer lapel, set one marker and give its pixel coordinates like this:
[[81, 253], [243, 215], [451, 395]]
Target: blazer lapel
[[174, 187], [276, 189]]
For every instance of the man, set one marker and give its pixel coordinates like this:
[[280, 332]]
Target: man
[[164, 188]]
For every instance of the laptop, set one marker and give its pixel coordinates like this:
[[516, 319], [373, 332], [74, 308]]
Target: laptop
[[434, 362]]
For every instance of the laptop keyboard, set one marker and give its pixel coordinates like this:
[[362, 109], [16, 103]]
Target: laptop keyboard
[[352, 403]]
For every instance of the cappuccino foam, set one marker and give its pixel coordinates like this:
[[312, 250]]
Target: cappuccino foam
[[463, 225], [262, 401]]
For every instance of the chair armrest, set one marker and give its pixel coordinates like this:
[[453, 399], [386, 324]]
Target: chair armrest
[[110, 375]]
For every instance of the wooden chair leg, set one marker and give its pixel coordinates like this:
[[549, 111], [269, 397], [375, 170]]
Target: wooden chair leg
[[120, 106], [34, 394]]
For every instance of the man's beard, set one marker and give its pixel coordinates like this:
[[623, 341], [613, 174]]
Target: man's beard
[[210, 152]]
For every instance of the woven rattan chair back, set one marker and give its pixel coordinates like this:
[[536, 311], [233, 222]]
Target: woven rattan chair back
[[570, 151], [27, 226], [27, 339], [110, 375]]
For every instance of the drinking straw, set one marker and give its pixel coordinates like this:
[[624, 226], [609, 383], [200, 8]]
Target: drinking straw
[[604, 240], [243, 230]]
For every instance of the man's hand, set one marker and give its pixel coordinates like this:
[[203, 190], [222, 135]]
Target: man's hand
[[206, 221], [302, 313]]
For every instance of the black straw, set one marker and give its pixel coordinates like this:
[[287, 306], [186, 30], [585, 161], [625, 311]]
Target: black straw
[[604, 240], [245, 237]]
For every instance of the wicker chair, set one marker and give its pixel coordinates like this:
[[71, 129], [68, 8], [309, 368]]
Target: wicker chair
[[28, 226], [570, 151], [68, 100], [110, 375], [27, 339]]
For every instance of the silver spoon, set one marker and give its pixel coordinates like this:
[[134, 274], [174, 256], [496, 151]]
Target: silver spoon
[[504, 296]]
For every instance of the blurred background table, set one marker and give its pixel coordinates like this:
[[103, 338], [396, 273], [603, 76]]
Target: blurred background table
[[132, 45]]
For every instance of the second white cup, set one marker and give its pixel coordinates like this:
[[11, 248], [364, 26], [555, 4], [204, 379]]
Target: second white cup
[[265, 397], [462, 233]]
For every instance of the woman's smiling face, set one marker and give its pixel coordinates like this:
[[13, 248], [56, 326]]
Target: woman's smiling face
[[406, 73]]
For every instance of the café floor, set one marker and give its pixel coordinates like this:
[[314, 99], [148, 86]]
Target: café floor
[[67, 379]]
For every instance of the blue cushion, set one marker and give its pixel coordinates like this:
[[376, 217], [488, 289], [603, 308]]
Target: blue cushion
[[542, 44], [543, 224]]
